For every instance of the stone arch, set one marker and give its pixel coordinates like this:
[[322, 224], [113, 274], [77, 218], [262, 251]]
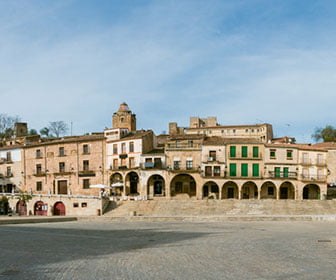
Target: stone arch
[[268, 190], [311, 191], [210, 190], [59, 209], [40, 208], [21, 208], [116, 182], [156, 185], [249, 190], [230, 190], [183, 186], [132, 183], [287, 191]]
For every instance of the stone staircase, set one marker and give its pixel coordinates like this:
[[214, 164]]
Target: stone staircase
[[179, 208]]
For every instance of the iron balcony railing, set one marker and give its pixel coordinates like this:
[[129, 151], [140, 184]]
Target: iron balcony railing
[[313, 178], [174, 146], [282, 174]]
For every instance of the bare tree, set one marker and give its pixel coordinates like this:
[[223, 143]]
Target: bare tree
[[57, 128], [7, 125]]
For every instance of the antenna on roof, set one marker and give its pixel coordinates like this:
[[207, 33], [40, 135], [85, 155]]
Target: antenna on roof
[[71, 128]]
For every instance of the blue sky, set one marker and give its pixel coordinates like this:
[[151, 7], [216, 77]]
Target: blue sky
[[245, 62]]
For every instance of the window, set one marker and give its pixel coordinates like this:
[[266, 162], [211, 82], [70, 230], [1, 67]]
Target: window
[[190, 143], [212, 155], [84, 204], [38, 153], [115, 149], [217, 170], [232, 151], [208, 171], [39, 186], [319, 159], [75, 205], [131, 147], [234, 131], [285, 172], [244, 151], [115, 163], [38, 169], [305, 158], [8, 156], [131, 162], [277, 172], [255, 152], [244, 170], [85, 149], [270, 191], [123, 148], [61, 166], [176, 164], [289, 154], [255, 169], [9, 171], [123, 162], [86, 165], [61, 151], [272, 153], [233, 169], [189, 164], [86, 183]]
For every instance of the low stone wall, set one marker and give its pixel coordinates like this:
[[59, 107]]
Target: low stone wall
[[73, 205]]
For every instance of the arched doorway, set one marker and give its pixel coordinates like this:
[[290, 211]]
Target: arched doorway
[[156, 186], [230, 190], [249, 191], [268, 191], [40, 208], [116, 182], [210, 190], [21, 208], [132, 180], [287, 191], [311, 191], [59, 209], [183, 186]]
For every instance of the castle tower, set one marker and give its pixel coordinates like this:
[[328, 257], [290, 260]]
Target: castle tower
[[124, 118]]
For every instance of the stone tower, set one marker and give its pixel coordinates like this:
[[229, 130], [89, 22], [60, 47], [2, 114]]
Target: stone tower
[[124, 118], [20, 129]]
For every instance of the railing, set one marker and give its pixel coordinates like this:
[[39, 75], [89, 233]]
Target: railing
[[185, 169], [152, 165], [306, 161], [8, 175], [249, 157], [321, 163], [183, 146], [281, 174], [40, 174], [86, 173], [61, 173], [313, 178]]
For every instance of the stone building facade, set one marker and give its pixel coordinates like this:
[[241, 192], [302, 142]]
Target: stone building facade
[[203, 161]]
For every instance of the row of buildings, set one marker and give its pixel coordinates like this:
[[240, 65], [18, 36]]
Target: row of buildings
[[203, 161]]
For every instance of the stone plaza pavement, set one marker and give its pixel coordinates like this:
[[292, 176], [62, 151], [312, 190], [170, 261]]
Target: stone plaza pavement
[[169, 250]]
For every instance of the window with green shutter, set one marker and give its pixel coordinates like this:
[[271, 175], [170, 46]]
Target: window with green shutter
[[277, 172], [244, 170], [233, 169], [255, 168], [255, 152], [285, 172], [233, 151], [244, 151]]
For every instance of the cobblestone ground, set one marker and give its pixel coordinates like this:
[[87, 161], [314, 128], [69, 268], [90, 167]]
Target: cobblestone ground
[[216, 250]]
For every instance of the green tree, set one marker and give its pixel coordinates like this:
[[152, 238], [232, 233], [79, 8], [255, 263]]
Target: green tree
[[327, 134], [7, 125]]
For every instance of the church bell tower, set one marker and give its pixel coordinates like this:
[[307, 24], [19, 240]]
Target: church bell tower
[[124, 118]]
